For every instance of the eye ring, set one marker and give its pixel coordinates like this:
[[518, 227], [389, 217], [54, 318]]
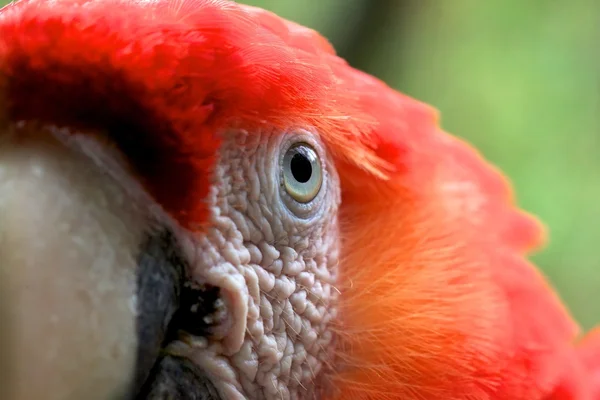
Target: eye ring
[[302, 173]]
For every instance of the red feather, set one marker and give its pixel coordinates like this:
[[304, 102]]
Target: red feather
[[440, 301]]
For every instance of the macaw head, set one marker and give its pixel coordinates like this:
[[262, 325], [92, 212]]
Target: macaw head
[[198, 198]]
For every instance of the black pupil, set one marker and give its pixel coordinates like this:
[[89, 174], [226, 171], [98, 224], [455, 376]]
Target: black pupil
[[301, 168]]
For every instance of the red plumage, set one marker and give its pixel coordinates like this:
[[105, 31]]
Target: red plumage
[[163, 78], [464, 315]]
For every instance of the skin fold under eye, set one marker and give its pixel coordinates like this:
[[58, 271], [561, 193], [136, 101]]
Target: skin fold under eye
[[302, 175]]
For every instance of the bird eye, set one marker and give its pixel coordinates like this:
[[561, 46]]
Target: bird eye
[[302, 175]]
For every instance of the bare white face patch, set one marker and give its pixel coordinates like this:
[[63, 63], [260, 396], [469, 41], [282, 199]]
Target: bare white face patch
[[272, 249], [74, 234]]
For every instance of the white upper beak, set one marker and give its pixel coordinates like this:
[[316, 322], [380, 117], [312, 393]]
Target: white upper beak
[[68, 242]]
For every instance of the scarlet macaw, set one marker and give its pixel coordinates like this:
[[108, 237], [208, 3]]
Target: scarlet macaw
[[200, 200]]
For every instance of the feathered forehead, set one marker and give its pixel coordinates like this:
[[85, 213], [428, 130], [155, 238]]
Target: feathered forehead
[[164, 77]]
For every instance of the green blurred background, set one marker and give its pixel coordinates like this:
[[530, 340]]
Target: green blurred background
[[519, 79]]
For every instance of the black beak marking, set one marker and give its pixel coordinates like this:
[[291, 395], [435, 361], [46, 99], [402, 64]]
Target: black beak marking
[[161, 273], [165, 300]]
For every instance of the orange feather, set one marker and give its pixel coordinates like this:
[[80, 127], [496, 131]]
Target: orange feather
[[438, 299]]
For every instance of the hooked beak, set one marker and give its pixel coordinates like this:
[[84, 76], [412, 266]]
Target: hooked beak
[[67, 252], [91, 280]]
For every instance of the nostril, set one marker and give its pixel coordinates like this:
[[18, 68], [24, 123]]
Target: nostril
[[169, 307], [202, 312]]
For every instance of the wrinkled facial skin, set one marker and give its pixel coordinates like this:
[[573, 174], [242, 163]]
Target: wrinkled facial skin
[[274, 260], [103, 279]]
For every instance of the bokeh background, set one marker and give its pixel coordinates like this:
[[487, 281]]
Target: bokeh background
[[519, 79]]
